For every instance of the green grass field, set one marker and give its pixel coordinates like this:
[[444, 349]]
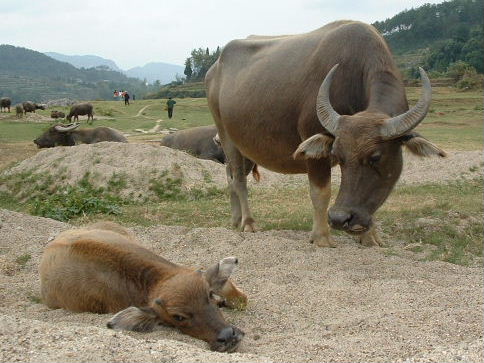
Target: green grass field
[[454, 123]]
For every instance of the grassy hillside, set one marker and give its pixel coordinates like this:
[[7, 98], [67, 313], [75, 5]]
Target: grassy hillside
[[29, 75]]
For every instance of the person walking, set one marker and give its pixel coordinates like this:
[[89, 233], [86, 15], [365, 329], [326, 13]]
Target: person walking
[[170, 104], [126, 98]]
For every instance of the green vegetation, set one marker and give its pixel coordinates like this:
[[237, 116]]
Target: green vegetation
[[23, 259], [436, 36]]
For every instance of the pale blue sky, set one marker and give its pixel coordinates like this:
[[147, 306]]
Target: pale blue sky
[[136, 32]]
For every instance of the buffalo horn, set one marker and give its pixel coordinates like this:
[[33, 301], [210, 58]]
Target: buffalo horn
[[326, 114], [65, 128], [401, 124]]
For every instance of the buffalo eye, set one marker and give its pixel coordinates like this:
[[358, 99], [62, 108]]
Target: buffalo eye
[[178, 317], [374, 158]]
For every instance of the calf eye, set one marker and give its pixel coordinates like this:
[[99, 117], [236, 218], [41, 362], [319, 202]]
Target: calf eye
[[178, 317], [374, 158]]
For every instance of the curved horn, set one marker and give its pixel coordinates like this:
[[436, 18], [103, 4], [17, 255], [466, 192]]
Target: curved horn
[[65, 128], [326, 114], [407, 121]]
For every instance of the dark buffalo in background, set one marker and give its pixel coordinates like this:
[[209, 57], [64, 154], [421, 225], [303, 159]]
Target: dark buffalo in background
[[57, 114], [19, 110], [81, 109], [5, 103], [67, 135], [197, 141], [32, 106]]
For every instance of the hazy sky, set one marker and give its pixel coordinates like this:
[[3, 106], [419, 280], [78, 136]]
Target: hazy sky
[[136, 32]]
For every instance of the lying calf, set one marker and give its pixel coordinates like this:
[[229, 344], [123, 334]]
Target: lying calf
[[102, 269]]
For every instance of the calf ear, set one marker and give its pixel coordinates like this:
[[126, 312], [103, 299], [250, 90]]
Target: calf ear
[[316, 147], [420, 146], [218, 279], [218, 274], [136, 319]]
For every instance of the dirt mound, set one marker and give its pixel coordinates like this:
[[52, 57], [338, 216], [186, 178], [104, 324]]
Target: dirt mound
[[135, 169], [347, 304]]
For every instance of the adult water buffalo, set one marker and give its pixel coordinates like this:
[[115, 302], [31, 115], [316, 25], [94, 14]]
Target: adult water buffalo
[[5, 104], [284, 103], [67, 135], [198, 141], [102, 269], [19, 110], [80, 109], [29, 106]]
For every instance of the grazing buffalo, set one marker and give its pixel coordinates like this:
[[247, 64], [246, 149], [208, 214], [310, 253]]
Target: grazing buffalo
[[67, 135], [5, 103], [198, 141], [57, 114], [32, 106], [304, 103], [80, 109], [19, 110], [102, 269]]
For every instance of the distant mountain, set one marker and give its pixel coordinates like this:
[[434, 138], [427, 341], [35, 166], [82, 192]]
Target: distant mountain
[[164, 72], [84, 61], [29, 75]]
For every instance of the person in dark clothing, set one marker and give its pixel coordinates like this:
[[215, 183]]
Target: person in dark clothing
[[170, 104], [126, 98]]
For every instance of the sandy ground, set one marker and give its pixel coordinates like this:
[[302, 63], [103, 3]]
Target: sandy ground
[[348, 304]]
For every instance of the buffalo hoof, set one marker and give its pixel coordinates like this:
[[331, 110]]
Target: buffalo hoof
[[248, 226], [323, 241], [371, 238]]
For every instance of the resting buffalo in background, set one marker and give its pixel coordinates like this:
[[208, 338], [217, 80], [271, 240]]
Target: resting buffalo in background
[[81, 109], [5, 103], [32, 106], [67, 135], [19, 110], [57, 114], [284, 103], [198, 141]]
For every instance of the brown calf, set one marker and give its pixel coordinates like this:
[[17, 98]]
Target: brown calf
[[102, 269]]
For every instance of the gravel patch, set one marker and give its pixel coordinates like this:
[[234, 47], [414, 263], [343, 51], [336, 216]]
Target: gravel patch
[[347, 304]]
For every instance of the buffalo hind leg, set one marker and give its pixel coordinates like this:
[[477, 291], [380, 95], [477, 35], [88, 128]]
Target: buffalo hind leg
[[371, 238], [319, 173], [238, 167]]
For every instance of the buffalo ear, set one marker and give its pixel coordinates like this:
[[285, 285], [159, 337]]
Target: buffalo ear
[[217, 277], [136, 319], [316, 147], [420, 146]]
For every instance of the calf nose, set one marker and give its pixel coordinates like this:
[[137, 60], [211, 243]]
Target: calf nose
[[339, 218], [229, 338]]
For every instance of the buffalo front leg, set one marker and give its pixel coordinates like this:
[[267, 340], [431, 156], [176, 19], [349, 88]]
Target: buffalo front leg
[[371, 238], [319, 173]]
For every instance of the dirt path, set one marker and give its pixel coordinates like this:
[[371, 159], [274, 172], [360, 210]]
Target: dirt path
[[141, 111], [348, 304]]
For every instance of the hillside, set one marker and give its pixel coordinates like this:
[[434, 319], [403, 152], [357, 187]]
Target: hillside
[[156, 71], [29, 75], [437, 35], [84, 61]]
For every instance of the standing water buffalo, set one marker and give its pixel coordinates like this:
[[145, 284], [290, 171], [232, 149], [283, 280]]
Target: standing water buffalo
[[81, 109], [31, 106], [19, 110], [67, 135], [198, 141], [5, 103], [102, 269], [284, 103]]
